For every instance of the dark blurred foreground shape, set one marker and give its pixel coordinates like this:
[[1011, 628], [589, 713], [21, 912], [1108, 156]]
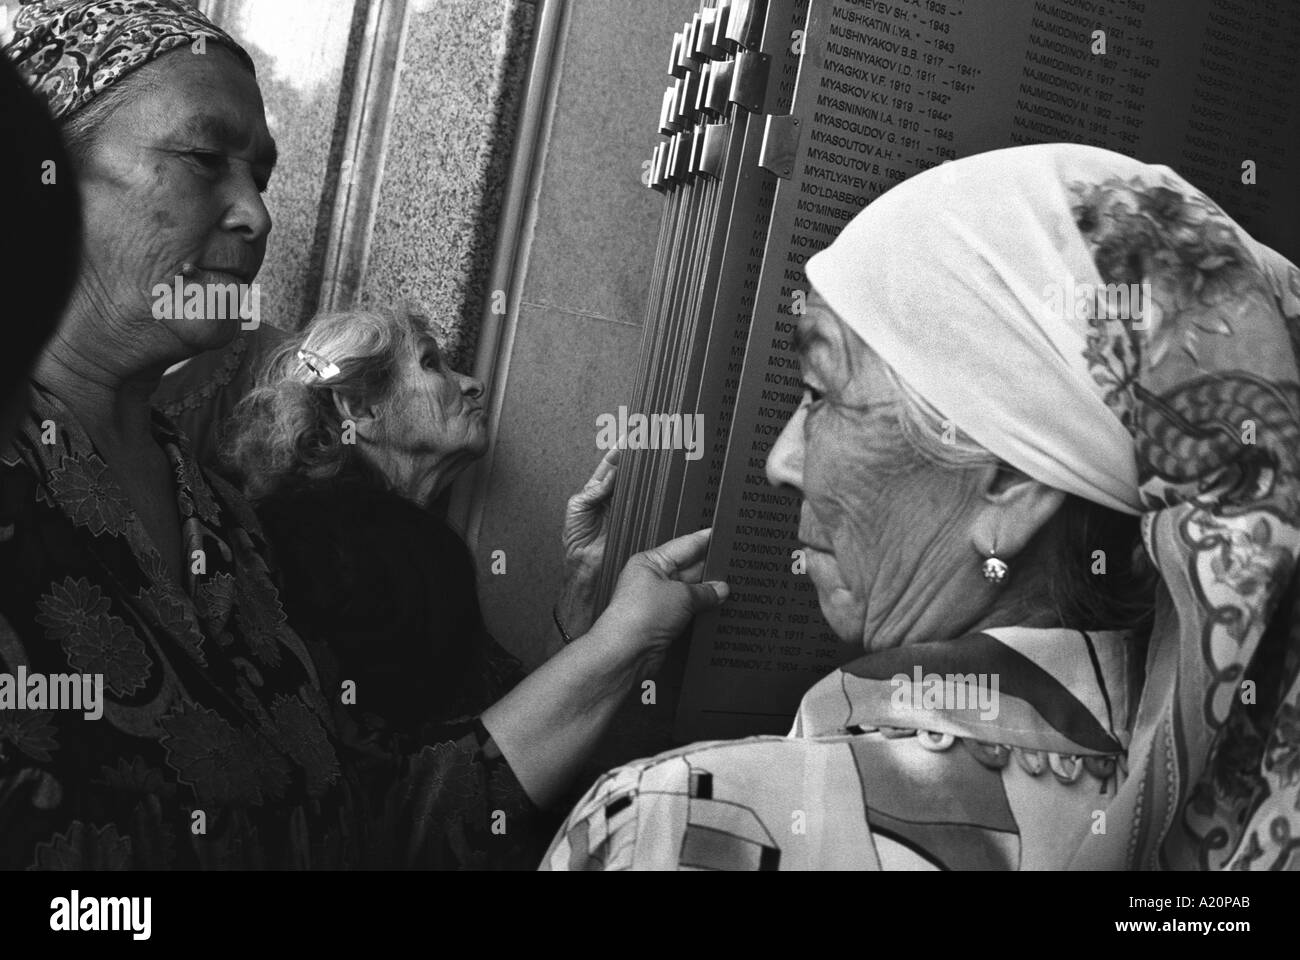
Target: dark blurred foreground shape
[[39, 245]]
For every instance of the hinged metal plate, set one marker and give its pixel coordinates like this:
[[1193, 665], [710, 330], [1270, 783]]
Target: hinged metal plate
[[675, 68], [657, 167], [715, 97], [702, 94], [714, 152], [686, 104], [692, 40], [684, 63], [704, 48], [667, 119], [780, 145], [720, 28], [697, 149], [749, 80], [681, 156], [745, 24]]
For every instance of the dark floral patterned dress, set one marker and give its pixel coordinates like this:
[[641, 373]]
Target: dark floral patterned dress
[[219, 745]]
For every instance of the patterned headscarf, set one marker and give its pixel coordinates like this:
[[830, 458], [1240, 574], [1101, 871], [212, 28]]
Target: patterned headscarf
[[1187, 412], [70, 51]]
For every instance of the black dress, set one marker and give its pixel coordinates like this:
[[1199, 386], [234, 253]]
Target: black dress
[[384, 594]]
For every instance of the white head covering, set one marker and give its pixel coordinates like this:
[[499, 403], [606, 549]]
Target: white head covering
[[947, 278]]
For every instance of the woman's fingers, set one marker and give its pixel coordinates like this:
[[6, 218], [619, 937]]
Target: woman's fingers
[[600, 487], [707, 595], [677, 555], [607, 467], [692, 574]]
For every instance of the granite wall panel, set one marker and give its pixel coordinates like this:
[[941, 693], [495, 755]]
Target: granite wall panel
[[449, 144]]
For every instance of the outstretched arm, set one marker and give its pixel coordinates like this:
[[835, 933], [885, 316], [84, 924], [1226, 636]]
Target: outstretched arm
[[551, 721]]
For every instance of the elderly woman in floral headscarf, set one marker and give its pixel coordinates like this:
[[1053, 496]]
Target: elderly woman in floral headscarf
[[202, 735], [1049, 456]]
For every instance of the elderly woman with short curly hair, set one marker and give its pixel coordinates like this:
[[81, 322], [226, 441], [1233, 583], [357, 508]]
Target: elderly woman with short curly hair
[[355, 428]]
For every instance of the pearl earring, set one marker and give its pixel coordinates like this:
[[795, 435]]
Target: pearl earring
[[994, 570]]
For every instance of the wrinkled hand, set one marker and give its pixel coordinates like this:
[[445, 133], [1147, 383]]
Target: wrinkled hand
[[586, 519], [658, 593], [585, 536]]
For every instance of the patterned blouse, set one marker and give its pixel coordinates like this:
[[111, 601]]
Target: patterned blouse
[[215, 743], [996, 751]]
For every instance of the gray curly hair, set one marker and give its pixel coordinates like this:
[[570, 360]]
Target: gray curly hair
[[289, 428]]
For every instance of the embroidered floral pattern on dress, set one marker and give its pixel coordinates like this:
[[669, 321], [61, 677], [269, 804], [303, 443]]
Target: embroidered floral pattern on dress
[[225, 766], [135, 777], [85, 847], [84, 488], [31, 731], [259, 616], [76, 614], [193, 494], [170, 611], [215, 598], [303, 738]]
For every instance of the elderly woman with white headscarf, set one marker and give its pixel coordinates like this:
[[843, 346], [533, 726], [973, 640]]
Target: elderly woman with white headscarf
[[1049, 456]]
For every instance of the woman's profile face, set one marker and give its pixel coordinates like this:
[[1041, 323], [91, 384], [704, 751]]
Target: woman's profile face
[[433, 410], [882, 530], [174, 177]]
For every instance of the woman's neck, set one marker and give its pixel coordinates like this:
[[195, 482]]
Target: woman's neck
[[110, 399], [419, 480]]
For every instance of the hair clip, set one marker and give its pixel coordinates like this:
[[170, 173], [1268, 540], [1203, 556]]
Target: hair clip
[[318, 365]]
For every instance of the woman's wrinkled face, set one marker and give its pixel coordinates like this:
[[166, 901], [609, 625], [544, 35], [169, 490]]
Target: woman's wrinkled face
[[173, 178], [433, 410], [885, 532]]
